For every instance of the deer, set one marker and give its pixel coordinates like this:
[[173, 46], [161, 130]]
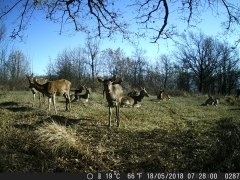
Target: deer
[[77, 92], [113, 79], [163, 95], [51, 89], [114, 94], [211, 101], [80, 95], [132, 100], [134, 92], [34, 91]]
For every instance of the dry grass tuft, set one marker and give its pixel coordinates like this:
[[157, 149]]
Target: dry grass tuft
[[56, 138]]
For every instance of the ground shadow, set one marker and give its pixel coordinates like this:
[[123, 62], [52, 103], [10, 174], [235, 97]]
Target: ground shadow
[[25, 126], [15, 107], [234, 109], [9, 103]]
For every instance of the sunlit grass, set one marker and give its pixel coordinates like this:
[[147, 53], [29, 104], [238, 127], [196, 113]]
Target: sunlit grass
[[175, 135]]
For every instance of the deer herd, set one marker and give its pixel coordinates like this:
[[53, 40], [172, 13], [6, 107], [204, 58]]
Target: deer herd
[[112, 91]]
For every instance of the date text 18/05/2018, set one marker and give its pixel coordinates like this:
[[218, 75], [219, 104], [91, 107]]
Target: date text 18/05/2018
[[168, 176], [193, 176]]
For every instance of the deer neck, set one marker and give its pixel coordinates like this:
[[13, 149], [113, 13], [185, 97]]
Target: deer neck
[[139, 97], [40, 87]]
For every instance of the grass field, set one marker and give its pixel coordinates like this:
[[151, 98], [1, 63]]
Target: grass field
[[160, 136]]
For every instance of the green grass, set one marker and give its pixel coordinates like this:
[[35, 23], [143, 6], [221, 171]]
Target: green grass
[[160, 136]]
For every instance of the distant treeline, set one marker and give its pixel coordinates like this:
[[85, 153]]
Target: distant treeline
[[199, 64]]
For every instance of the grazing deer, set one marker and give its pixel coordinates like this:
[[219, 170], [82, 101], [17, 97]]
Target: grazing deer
[[34, 91], [114, 94], [163, 95], [237, 94], [211, 101], [133, 100], [55, 88], [80, 95]]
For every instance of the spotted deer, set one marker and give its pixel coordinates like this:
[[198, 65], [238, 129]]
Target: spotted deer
[[133, 99], [114, 94], [34, 90], [51, 89]]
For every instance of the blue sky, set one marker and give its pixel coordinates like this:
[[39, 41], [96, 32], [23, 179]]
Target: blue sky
[[42, 41]]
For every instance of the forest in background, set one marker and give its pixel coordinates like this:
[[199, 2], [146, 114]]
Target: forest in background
[[200, 64]]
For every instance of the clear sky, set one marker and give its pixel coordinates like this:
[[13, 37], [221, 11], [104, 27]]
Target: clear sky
[[42, 41]]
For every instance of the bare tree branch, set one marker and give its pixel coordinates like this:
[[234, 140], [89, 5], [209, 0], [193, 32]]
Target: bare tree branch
[[102, 18]]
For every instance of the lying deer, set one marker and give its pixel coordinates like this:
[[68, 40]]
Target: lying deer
[[211, 101], [163, 95], [34, 91], [114, 94], [133, 93], [82, 96], [55, 88], [132, 100]]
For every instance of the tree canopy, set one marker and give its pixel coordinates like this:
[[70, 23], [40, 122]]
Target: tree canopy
[[105, 18]]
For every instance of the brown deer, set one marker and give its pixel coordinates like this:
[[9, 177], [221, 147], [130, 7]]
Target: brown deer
[[51, 89], [114, 80], [163, 95], [132, 100], [114, 94], [211, 101], [34, 91]]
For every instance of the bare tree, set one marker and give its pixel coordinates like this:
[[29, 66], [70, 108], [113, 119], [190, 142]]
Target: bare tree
[[92, 51], [70, 64], [105, 18], [3, 55], [17, 67], [198, 54], [227, 71]]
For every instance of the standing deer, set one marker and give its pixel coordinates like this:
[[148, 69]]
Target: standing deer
[[163, 95], [114, 94], [55, 88], [132, 100], [114, 80], [34, 91]]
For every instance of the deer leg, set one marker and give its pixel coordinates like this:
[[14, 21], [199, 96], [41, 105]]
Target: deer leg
[[43, 97], [117, 115], [68, 101], [39, 99], [54, 103], [49, 102], [109, 116], [33, 99]]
